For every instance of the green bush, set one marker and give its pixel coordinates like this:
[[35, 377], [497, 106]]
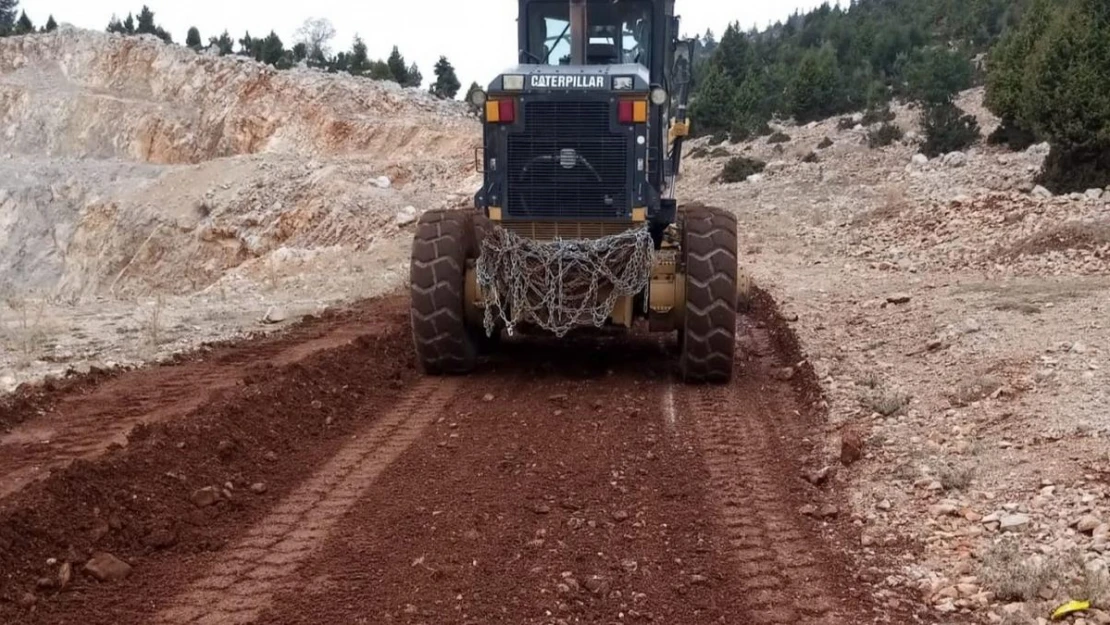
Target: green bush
[[719, 153], [718, 138], [825, 143], [845, 123], [1050, 76], [878, 116], [778, 137], [739, 133], [948, 129], [1013, 136], [739, 169], [884, 135], [1072, 168], [811, 158], [698, 153]]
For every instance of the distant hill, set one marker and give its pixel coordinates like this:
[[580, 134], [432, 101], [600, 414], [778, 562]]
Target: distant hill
[[834, 60]]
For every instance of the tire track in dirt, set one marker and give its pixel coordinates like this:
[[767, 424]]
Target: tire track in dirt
[[753, 437], [245, 577], [85, 425]]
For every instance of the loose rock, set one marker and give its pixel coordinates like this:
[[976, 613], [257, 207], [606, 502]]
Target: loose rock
[[205, 497], [105, 567]]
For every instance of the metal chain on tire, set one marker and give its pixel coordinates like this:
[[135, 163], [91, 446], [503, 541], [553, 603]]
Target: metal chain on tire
[[560, 284]]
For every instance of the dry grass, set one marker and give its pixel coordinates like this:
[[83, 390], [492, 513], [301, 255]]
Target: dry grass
[[977, 389], [954, 476], [886, 403], [1013, 577], [894, 204], [1071, 235], [30, 333], [152, 323]]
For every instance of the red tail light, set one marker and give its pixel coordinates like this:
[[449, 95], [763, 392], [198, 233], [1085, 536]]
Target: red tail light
[[625, 111], [507, 110]]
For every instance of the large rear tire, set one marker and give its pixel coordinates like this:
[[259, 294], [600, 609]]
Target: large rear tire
[[708, 335], [443, 242]]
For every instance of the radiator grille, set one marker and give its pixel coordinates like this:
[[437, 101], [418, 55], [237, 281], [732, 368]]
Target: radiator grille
[[566, 164]]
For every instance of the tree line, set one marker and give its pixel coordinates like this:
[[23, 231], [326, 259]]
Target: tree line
[[12, 24], [311, 48], [1045, 64]]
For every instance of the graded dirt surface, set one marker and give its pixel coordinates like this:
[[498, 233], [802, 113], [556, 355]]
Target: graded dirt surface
[[315, 476]]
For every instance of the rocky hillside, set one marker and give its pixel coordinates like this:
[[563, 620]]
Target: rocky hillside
[[131, 166]]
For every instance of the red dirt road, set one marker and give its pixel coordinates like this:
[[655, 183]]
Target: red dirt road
[[565, 482]]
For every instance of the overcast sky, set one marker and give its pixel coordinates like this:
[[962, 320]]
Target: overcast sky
[[478, 36]]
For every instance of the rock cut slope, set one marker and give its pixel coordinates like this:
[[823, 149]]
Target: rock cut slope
[[132, 166]]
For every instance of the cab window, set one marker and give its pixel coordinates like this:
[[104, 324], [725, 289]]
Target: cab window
[[619, 32]]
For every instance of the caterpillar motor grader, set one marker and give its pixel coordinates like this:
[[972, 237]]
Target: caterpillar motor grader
[[582, 145]]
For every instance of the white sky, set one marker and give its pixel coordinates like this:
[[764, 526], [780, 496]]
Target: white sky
[[477, 36]]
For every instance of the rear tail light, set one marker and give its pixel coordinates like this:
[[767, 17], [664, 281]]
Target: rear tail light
[[632, 111], [501, 111]]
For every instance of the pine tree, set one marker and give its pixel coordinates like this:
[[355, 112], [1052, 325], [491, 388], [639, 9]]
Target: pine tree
[[7, 16], [359, 60], [247, 45], [734, 54], [814, 92], [115, 26], [379, 70], [223, 43], [272, 52], [193, 39], [340, 63], [51, 25], [146, 22], [129, 25], [24, 25], [714, 108], [397, 66], [447, 84], [413, 77]]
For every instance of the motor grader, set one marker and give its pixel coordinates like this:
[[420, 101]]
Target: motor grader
[[576, 223]]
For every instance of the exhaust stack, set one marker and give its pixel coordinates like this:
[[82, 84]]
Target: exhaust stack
[[578, 35]]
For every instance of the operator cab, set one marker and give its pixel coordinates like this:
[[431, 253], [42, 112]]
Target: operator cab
[[617, 33], [577, 137]]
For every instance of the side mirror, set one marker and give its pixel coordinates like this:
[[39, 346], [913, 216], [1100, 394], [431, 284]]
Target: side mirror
[[683, 69]]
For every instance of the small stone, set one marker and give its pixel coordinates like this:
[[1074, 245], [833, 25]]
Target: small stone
[[406, 216], [784, 374], [1010, 522], [920, 159], [27, 600], [205, 497], [597, 585], [383, 182], [851, 447], [819, 476], [225, 448], [943, 509], [558, 398], [65, 575], [270, 456], [275, 315], [105, 567], [541, 508], [954, 159], [471, 535], [1093, 194], [755, 178], [899, 298], [44, 583], [808, 510], [488, 397], [258, 488], [699, 580], [630, 565], [828, 511], [1041, 192], [620, 515], [1088, 524]]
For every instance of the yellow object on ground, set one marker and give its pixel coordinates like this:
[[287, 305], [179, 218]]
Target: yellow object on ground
[[1070, 608]]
